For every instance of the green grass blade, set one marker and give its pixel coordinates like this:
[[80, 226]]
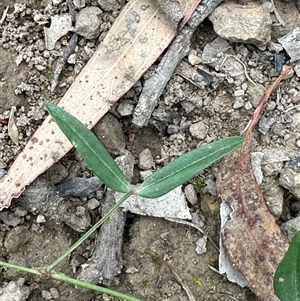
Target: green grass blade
[[287, 275], [91, 149], [187, 166]]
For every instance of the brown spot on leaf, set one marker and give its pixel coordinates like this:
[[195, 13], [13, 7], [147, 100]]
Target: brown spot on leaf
[[34, 140]]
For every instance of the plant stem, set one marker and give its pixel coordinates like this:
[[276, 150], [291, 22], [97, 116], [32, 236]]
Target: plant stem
[[89, 232], [20, 268], [62, 277]]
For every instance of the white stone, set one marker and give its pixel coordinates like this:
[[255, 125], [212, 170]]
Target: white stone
[[199, 130]]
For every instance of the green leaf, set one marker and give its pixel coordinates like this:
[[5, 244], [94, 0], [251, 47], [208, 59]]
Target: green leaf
[[287, 275], [91, 149], [187, 166]]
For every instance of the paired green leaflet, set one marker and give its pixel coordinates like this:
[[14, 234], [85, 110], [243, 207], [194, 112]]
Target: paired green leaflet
[[159, 183], [287, 276], [186, 166], [91, 149]]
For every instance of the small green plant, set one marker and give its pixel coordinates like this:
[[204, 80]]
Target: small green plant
[[287, 275], [102, 164]]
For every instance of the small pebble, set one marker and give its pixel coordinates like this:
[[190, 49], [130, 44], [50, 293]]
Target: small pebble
[[238, 93], [78, 186], [238, 103], [40, 219], [194, 59], [198, 130], [125, 108], [248, 106], [93, 203], [191, 194], [146, 159]]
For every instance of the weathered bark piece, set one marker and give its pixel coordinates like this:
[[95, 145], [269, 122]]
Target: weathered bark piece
[[155, 85], [172, 10], [106, 261], [138, 36], [251, 238]]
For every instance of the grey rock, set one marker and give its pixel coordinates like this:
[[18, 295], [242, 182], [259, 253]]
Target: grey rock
[[242, 23], [19, 211], [194, 59], [15, 291], [10, 219], [213, 49], [291, 44], [78, 186], [265, 124], [291, 227], [199, 130], [201, 245], [146, 159], [191, 194], [273, 195], [60, 26], [88, 22], [108, 5], [2, 173], [290, 179], [256, 160], [41, 198], [93, 204], [255, 93], [210, 187], [238, 93], [57, 173], [296, 121], [125, 108], [110, 132], [80, 221], [297, 68], [79, 3], [238, 103]]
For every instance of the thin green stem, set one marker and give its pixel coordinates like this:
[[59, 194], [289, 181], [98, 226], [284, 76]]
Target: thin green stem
[[62, 277], [88, 233], [20, 268]]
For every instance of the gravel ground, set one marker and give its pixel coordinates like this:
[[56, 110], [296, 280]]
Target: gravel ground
[[193, 110]]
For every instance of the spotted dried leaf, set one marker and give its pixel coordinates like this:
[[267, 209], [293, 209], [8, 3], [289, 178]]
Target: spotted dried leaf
[[251, 238]]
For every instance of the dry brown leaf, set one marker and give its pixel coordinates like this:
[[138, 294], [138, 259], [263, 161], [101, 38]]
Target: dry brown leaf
[[252, 239], [138, 36]]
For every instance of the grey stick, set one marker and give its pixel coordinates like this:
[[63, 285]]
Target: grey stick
[[179, 48]]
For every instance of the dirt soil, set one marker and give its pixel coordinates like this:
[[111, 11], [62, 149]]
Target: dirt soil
[[32, 242]]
